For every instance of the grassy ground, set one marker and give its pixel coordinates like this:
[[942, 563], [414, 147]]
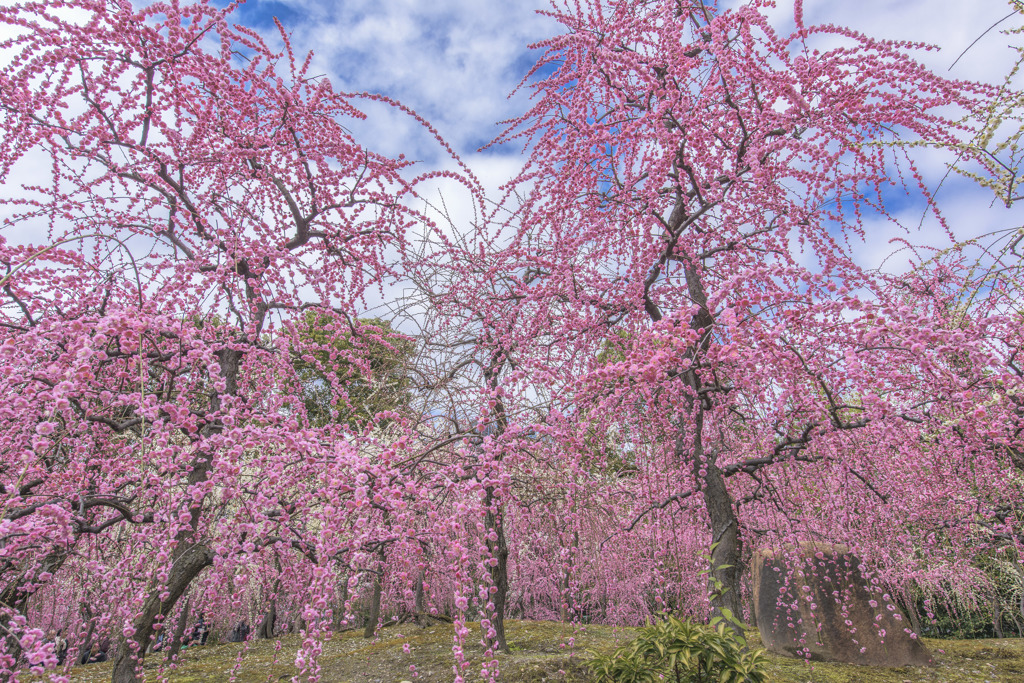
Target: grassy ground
[[541, 651]]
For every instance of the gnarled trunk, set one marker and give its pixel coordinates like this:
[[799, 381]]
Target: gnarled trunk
[[187, 565], [266, 630]]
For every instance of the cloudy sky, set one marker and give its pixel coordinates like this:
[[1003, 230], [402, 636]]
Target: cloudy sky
[[456, 61]]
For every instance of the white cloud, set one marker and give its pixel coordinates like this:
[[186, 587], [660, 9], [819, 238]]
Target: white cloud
[[453, 61], [456, 61]]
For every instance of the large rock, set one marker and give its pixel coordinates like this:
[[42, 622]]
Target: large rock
[[814, 601]]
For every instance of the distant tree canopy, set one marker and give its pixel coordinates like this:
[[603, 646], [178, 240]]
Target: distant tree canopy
[[354, 374]]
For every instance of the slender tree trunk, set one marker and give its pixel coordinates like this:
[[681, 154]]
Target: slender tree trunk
[[174, 646], [14, 600], [339, 611], [563, 594], [269, 620], [726, 545], [494, 521], [915, 620], [565, 607], [1021, 604], [420, 602], [726, 551], [269, 623], [373, 615], [190, 557], [86, 645]]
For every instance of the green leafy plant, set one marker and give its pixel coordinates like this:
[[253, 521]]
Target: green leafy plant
[[673, 649], [716, 590]]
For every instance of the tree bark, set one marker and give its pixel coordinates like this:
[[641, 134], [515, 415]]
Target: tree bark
[[726, 550], [563, 594], [15, 599], [494, 521], [190, 557], [419, 606], [269, 621], [373, 615], [726, 546], [339, 611], [997, 618], [86, 645], [174, 647], [187, 565], [915, 620]]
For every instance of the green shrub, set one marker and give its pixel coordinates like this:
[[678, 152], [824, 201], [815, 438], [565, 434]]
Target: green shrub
[[684, 652]]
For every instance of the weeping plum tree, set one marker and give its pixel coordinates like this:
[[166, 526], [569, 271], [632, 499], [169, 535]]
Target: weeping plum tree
[[469, 287], [696, 185], [188, 392], [196, 181]]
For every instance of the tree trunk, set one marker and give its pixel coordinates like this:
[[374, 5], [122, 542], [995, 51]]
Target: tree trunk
[[15, 599], [563, 594], [269, 621], [339, 611], [915, 620], [725, 570], [86, 645], [373, 616], [187, 566], [726, 547], [174, 647], [494, 521], [419, 606]]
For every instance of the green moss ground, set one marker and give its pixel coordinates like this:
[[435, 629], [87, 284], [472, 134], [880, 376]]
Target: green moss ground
[[541, 651]]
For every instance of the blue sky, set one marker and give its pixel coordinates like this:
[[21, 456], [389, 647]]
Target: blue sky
[[453, 61], [456, 61]]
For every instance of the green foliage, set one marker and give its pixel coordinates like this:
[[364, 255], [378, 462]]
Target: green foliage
[[996, 613], [614, 348], [1002, 129], [682, 651], [716, 587], [351, 376]]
